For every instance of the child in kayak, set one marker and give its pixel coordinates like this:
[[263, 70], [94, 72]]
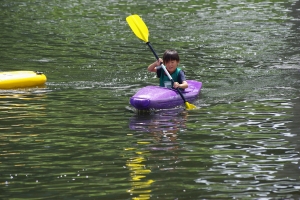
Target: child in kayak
[[170, 60]]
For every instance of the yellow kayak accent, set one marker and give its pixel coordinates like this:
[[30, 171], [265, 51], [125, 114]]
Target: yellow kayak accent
[[21, 79]]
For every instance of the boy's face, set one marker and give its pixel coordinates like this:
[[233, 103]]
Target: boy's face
[[171, 66]]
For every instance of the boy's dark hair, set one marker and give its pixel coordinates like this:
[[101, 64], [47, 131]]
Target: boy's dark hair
[[170, 55]]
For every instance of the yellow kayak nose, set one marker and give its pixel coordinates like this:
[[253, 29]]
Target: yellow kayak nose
[[21, 79]]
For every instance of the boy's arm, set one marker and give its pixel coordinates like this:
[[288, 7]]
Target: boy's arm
[[183, 85], [152, 67], [182, 78]]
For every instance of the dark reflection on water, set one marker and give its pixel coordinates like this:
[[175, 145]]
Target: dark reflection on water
[[78, 138], [239, 148], [159, 149], [49, 144]]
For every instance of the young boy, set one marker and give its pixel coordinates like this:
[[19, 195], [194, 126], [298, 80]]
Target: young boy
[[170, 60]]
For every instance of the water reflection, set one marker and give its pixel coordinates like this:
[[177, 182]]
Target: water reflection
[[162, 125], [140, 184], [162, 128], [20, 104], [21, 114]]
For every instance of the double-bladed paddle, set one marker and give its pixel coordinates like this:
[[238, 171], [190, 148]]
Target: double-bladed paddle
[[140, 29]]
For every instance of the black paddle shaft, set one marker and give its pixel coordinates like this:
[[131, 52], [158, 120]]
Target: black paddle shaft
[[149, 45]]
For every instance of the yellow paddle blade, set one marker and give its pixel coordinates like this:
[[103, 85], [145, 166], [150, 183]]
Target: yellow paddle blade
[[138, 27], [190, 106]]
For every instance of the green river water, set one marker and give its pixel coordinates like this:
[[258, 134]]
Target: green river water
[[79, 138]]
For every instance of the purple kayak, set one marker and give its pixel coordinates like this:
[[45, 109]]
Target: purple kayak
[[156, 97]]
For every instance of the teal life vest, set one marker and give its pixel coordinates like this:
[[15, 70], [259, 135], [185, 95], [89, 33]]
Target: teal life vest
[[164, 80]]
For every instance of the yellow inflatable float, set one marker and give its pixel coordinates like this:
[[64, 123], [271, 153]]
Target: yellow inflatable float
[[21, 79]]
